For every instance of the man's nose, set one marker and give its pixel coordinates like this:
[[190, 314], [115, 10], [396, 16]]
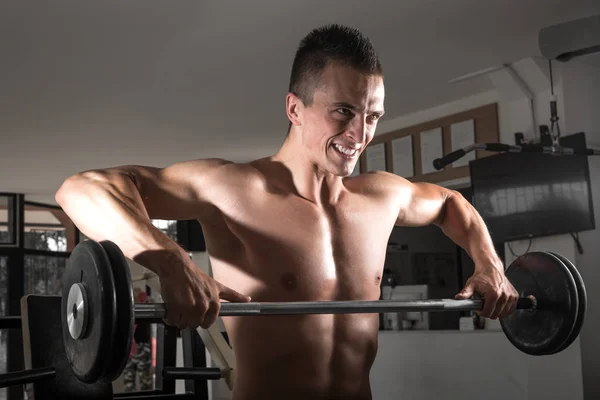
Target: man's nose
[[358, 130]]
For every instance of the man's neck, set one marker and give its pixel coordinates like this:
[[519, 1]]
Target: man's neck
[[310, 182]]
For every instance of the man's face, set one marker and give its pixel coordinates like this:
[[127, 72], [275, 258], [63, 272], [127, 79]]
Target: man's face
[[341, 121]]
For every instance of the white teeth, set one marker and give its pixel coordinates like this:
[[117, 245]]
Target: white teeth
[[344, 150]]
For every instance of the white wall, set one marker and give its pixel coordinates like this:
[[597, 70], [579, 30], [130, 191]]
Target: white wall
[[470, 365], [582, 113]]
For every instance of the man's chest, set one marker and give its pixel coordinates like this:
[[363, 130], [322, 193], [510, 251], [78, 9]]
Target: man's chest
[[299, 247]]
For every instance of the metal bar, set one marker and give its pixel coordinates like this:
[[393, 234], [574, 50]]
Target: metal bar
[[194, 356], [166, 339], [220, 352], [10, 322], [41, 205], [146, 393], [157, 311], [191, 373], [26, 376], [16, 290], [151, 396]]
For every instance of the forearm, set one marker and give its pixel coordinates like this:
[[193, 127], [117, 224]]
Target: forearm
[[107, 205], [463, 225]]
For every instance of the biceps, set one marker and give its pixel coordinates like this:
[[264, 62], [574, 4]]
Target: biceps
[[424, 205]]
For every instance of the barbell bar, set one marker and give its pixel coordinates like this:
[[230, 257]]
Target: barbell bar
[[98, 309], [157, 311]]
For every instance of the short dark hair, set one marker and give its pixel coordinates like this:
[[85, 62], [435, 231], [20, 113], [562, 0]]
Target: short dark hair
[[325, 44]]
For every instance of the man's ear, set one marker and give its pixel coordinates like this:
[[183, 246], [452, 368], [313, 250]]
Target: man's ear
[[294, 108]]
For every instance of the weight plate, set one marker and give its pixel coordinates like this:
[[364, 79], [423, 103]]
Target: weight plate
[[582, 294], [125, 317], [548, 279], [89, 355]]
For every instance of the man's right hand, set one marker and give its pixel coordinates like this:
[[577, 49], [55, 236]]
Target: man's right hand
[[192, 298]]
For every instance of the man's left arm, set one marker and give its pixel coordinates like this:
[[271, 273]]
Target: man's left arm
[[424, 204]]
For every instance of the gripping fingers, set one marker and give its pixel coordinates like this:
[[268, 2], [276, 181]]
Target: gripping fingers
[[171, 317], [511, 306], [199, 314], [489, 304], [509, 299], [184, 321], [196, 318], [211, 314], [502, 306]]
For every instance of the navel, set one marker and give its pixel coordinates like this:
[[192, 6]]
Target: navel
[[289, 281]]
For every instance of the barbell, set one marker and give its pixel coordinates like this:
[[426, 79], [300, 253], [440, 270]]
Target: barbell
[[98, 310]]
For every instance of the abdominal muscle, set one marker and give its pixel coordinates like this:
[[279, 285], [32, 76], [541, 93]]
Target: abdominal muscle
[[303, 356]]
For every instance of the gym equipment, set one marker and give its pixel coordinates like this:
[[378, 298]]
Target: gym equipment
[[567, 40], [559, 305], [27, 376], [10, 322], [191, 373], [47, 367], [91, 320], [549, 316], [125, 318], [440, 163], [582, 295]]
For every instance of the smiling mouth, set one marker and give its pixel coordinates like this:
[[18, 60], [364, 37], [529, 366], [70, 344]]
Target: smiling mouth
[[345, 151]]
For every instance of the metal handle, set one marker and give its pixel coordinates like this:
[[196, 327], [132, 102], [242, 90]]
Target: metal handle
[[10, 322], [191, 373], [158, 311], [26, 376]]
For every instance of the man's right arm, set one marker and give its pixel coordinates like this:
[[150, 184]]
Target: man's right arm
[[117, 204]]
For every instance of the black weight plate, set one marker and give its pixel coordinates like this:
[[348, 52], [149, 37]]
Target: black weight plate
[[89, 355], [125, 317], [582, 294], [546, 329]]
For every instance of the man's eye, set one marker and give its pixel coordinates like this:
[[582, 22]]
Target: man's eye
[[344, 111]]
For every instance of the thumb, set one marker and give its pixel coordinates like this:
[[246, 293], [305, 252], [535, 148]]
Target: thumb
[[231, 295], [466, 293]]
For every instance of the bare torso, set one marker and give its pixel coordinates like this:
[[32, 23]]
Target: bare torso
[[273, 245]]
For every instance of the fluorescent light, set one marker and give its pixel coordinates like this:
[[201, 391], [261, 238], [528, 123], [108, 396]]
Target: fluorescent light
[[477, 73]]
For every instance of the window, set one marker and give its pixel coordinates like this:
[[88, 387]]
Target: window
[[7, 220], [43, 274], [169, 227], [3, 285], [44, 230], [3, 309]]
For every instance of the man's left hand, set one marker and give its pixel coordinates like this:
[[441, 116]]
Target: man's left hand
[[499, 295]]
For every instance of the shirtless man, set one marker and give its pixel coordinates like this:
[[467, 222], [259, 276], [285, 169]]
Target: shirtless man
[[290, 227]]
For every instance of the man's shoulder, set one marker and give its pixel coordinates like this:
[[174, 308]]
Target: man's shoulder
[[385, 188], [376, 183], [222, 183], [217, 167], [226, 173]]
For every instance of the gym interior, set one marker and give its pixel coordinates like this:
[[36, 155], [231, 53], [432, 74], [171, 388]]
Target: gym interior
[[94, 85]]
